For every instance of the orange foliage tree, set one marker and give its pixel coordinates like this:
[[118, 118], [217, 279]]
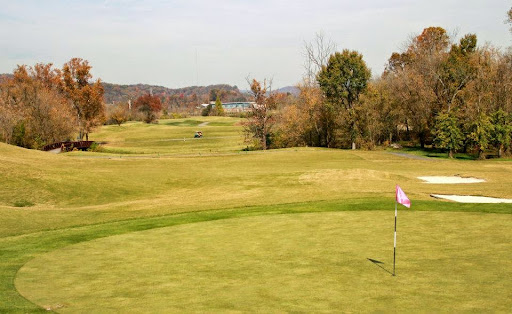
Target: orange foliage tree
[[149, 105], [86, 97], [33, 112]]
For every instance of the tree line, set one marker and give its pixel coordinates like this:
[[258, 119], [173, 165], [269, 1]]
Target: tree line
[[42, 104], [439, 92], [447, 94]]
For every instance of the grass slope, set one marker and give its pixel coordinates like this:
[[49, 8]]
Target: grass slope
[[78, 197]]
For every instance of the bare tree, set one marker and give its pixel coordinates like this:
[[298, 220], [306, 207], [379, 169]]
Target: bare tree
[[509, 18], [316, 54], [261, 121]]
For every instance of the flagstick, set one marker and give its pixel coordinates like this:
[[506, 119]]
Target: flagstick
[[394, 245]]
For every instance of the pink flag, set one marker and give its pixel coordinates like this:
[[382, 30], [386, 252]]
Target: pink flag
[[401, 198]]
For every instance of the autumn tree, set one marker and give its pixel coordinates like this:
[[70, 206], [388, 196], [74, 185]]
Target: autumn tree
[[377, 118], [149, 105], [33, 112], [118, 113], [85, 96], [260, 124], [456, 72], [342, 81], [429, 77]]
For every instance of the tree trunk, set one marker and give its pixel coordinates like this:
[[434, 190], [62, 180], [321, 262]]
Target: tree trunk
[[500, 151], [353, 145], [422, 140], [450, 153]]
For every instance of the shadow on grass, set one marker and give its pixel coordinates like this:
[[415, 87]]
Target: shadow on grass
[[437, 153], [378, 264]]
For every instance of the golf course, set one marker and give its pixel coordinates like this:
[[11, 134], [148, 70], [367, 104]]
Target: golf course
[[154, 220]]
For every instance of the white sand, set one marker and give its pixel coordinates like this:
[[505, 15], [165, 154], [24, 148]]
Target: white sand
[[449, 180], [472, 199]]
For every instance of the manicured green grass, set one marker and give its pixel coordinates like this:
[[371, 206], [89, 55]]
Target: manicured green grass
[[172, 137], [303, 262], [162, 181]]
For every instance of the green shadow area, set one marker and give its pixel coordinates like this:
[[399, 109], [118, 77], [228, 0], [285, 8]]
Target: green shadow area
[[17, 250]]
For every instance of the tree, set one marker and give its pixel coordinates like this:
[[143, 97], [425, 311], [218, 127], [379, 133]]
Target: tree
[[206, 110], [509, 18], [342, 81], [118, 113], [149, 105], [456, 71], [501, 132], [316, 55], [219, 110], [86, 97], [260, 123], [480, 134], [377, 118], [447, 133], [429, 77], [33, 112]]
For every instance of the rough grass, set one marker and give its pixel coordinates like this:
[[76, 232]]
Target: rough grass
[[78, 197]]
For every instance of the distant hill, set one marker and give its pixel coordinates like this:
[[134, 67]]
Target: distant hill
[[172, 98], [4, 76], [294, 90], [177, 96]]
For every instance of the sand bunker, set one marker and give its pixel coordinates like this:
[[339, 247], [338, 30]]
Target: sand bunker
[[449, 180], [472, 199]]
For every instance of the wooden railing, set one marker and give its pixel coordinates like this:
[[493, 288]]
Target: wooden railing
[[68, 146]]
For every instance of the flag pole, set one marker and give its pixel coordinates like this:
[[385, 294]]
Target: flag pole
[[394, 242]]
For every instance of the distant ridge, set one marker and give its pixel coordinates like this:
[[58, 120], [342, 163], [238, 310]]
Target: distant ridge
[[294, 90], [4, 76], [123, 92], [118, 92]]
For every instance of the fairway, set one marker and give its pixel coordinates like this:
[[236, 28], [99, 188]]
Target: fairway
[[314, 262], [157, 221]]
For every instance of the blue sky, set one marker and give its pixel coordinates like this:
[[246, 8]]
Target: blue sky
[[156, 42]]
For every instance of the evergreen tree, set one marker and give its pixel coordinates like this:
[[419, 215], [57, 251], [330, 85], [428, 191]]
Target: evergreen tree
[[480, 134], [501, 132], [219, 110], [447, 133]]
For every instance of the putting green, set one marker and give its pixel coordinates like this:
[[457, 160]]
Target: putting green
[[446, 262]]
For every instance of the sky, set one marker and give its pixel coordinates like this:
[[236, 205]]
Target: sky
[[181, 43]]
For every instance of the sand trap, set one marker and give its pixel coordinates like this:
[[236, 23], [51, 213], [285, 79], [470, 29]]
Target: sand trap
[[472, 199], [449, 180]]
